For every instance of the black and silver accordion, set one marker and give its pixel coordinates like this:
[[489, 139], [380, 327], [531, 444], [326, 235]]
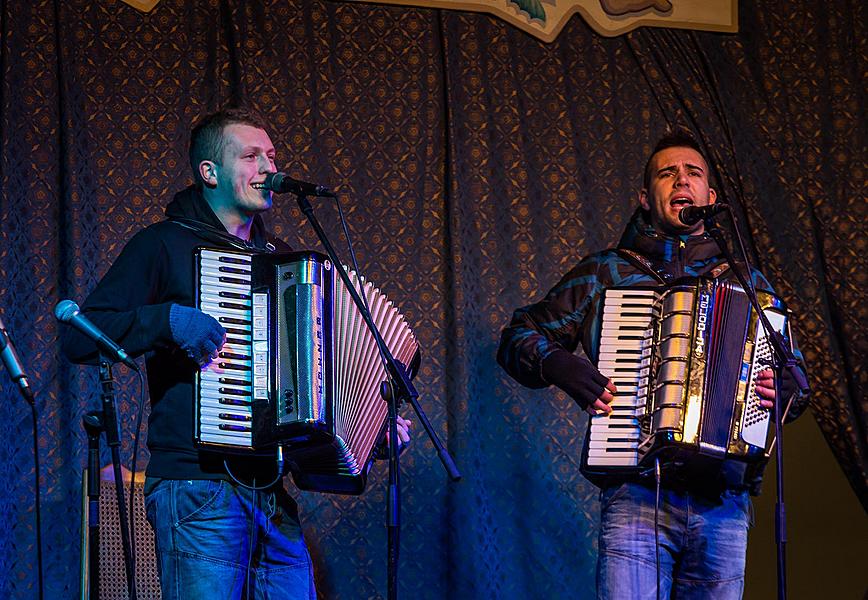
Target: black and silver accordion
[[299, 368], [685, 361]]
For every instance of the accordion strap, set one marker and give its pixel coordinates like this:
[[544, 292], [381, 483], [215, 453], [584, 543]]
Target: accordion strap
[[643, 264], [213, 234], [640, 262]]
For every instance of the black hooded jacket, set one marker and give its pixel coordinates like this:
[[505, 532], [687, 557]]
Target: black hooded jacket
[[131, 305]]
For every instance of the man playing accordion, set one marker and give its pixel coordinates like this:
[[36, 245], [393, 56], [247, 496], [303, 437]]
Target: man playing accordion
[[704, 516], [224, 524]]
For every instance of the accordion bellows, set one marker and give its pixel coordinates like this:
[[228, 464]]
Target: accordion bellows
[[299, 369]]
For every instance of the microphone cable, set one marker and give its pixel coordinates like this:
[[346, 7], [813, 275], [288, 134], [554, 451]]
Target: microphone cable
[[37, 507], [249, 585], [657, 521], [133, 465]]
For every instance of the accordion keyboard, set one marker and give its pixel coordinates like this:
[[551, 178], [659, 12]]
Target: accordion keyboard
[[229, 384], [625, 358]]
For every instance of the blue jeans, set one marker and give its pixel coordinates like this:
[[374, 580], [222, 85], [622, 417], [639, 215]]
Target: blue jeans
[[222, 541], [702, 544]]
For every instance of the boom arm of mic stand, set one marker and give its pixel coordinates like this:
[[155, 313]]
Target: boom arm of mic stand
[[402, 385]]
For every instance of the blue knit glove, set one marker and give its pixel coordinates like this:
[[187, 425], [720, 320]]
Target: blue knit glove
[[197, 334]]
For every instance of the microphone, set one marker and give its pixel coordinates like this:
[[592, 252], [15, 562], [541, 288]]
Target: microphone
[[13, 364], [690, 215], [281, 183], [67, 312]]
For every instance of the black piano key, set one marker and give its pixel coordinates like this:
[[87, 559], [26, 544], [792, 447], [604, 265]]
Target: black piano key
[[235, 260], [233, 356], [234, 280], [233, 367], [230, 381], [228, 427], [235, 392], [232, 306], [233, 331], [234, 270], [234, 321], [234, 402], [234, 295], [231, 417], [238, 342]]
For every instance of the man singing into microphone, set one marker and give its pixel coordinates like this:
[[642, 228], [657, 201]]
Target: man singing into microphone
[[216, 537], [703, 517]]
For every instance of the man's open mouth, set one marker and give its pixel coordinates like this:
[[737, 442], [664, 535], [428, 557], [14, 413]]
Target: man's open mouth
[[680, 202], [258, 186]]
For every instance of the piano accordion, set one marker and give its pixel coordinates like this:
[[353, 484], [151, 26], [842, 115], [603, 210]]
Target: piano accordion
[[685, 361], [299, 368]]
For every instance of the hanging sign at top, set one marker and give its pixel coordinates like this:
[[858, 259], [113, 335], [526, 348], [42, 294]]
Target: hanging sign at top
[[546, 18]]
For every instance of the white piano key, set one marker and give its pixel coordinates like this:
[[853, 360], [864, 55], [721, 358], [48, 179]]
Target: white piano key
[[221, 311], [207, 282], [611, 445], [215, 435], [608, 460], [629, 429], [627, 403]]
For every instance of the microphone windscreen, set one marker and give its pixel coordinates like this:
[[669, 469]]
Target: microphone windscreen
[[65, 310]]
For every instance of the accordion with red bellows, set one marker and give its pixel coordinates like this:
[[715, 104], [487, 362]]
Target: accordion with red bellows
[[685, 361]]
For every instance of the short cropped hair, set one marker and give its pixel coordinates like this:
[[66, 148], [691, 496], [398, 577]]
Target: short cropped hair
[[677, 138], [207, 141]]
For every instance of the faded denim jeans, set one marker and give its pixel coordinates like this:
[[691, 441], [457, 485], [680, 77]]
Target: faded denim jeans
[[702, 545], [204, 543]]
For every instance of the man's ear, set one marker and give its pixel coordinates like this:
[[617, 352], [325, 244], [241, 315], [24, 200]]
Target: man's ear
[[643, 200], [208, 172], [712, 196]]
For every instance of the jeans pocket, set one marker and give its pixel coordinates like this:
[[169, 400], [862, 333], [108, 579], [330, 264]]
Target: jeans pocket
[[610, 494], [154, 498], [195, 498], [743, 504]]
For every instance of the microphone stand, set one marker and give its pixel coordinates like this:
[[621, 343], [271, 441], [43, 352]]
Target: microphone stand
[[106, 420], [782, 358], [400, 390], [27, 394], [93, 425]]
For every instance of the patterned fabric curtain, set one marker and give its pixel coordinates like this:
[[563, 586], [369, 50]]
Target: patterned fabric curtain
[[477, 165]]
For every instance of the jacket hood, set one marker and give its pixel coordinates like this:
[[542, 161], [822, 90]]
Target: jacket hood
[[190, 208], [674, 256], [640, 236]]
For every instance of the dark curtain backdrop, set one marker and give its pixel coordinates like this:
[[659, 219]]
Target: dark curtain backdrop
[[477, 165]]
